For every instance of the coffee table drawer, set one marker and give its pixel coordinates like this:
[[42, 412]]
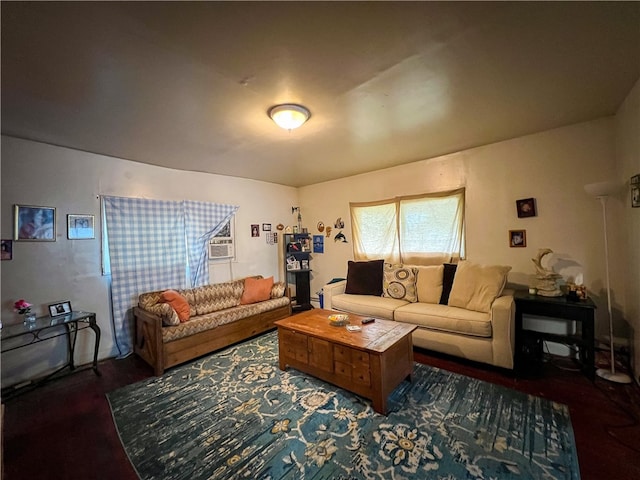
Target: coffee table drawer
[[350, 355], [295, 345]]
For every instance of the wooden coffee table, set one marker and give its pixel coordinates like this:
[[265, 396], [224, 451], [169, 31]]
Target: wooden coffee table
[[370, 363]]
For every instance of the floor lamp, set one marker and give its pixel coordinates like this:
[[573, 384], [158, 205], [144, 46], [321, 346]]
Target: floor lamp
[[602, 191]]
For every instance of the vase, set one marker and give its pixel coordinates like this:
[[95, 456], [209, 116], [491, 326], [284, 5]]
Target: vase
[[29, 318]]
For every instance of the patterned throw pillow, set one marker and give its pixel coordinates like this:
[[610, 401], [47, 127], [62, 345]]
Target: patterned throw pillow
[[399, 282], [277, 290]]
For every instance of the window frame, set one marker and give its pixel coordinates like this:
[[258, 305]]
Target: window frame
[[393, 250]]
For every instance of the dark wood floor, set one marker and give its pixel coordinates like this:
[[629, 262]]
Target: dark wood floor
[[64, 430]]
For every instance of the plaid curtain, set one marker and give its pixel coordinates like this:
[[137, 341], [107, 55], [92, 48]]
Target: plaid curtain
[[148, 241], [203, 220]]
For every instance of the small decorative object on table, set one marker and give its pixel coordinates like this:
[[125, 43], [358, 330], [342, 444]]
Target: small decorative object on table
[[339, 319], [24, 308], [546, 278], [576, 292]]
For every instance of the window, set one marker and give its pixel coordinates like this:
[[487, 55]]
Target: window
[[421, 229]]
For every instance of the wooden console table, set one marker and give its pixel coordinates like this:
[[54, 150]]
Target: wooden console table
[[581, 311], [45, 328]]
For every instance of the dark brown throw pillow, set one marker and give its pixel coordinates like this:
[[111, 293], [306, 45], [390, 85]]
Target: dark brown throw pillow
[[364, 278], [447, 282]]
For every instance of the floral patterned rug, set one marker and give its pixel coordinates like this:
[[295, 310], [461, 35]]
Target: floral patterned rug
[[234, 414]]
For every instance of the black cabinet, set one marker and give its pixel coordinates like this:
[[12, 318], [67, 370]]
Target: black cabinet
[[529, 343], [297, 257]]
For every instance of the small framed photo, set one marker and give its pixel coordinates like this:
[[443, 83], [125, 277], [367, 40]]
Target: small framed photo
[[80, 227], [32, 223], [635, 196], [304, 264], [318, 244], [62, 308], [526, 207], [7, 249], [266, 227], [517, 238], [255, 230]]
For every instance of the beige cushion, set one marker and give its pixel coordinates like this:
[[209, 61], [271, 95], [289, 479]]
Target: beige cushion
[[399, 282], [429, 283], [446, 318], [475, 287], [367, 305]]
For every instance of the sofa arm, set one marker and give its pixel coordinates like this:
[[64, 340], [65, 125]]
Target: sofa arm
[[148, 338], [164, 311], [503, 314], [331, 289]]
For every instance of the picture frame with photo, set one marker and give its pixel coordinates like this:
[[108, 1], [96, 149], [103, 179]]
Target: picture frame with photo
[[517, 238], [80, 227], [32, 223], [635, 191], [304, 264], [266, 227], [7, 249], [61, 308], [526, 207]]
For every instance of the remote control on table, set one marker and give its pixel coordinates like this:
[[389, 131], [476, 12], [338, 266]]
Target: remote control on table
[[368, 320]]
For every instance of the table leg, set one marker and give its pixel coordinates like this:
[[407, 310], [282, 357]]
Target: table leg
[[96, 330], [588, 346], [72, 334]]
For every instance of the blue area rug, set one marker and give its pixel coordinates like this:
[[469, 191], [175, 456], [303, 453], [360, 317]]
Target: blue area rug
[[234, 414]]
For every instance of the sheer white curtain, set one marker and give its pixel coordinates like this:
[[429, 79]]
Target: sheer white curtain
[[423, 229]]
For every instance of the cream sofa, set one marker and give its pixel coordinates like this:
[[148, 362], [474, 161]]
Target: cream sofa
[[475, 320]]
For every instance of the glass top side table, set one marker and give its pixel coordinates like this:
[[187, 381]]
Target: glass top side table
[[45, 328]]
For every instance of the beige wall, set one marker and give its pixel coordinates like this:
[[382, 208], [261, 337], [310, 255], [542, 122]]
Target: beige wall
[[551, 166], [71, 181], [628, 161]]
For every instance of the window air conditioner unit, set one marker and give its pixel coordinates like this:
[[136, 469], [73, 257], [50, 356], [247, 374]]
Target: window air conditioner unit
[[221, 248]]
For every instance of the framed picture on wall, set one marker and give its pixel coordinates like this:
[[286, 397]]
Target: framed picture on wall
[[635, 191], [7, 249], [526, 207], [80, 227], [517, 238], [33, 223]]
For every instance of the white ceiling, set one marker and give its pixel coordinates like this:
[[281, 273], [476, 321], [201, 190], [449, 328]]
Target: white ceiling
[[188, 85]]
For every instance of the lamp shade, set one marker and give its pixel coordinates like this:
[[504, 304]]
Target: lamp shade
[[602, 189], [289, 115]]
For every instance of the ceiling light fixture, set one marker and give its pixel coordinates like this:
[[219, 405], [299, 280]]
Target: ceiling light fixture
[[289, 115]]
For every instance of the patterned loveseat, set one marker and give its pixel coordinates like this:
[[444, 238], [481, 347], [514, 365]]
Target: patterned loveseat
[[217, 315]]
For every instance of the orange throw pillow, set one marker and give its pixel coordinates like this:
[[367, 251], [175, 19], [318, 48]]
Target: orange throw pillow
[[256, 290], [178, 303]]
